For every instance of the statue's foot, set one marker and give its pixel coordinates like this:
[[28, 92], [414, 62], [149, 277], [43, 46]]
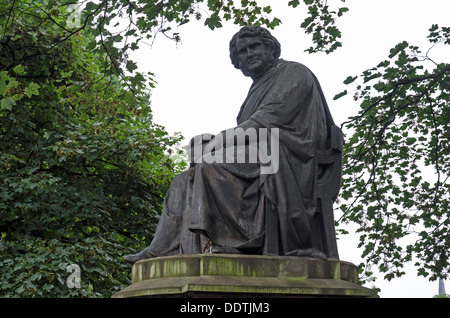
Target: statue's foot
[[224, 250], [133, 258], [309, 252], [210, 247]]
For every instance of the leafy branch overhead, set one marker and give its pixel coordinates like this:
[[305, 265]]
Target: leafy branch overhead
[[396, 178], [116, 27]]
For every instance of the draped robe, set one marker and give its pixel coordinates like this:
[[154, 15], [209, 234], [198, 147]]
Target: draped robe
[[225, 202]]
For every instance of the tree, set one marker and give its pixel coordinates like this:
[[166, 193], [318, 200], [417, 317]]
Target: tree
[[83, 169], [395, 184]]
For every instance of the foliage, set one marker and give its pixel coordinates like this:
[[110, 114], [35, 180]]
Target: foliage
[[83, 169], [120, 26], [401, 128], [442, 296], [321, 23], [396, 166]]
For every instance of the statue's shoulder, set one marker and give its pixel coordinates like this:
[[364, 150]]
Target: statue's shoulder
[[296, 69], [292, 65]]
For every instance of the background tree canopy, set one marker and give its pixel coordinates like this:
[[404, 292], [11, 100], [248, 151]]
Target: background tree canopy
[[84, 169], [397, 160]]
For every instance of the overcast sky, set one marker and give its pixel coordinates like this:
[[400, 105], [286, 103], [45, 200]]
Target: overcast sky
[[199, 91]]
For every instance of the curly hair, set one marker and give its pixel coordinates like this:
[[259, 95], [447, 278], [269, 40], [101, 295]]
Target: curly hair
[[251, 31]]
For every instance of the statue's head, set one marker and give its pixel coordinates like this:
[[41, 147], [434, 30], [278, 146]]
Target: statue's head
[[253, 50]]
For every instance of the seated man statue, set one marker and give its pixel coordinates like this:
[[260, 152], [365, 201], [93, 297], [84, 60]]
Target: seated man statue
[[268, 161]]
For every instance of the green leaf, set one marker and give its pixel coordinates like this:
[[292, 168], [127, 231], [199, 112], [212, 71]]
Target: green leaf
[[341, 94], [398, 48], [370, 77], [32, 89], [213, 21], [341, 11], [350, 79], [19, 69], [294, 3], [7, 103], [131, 66]]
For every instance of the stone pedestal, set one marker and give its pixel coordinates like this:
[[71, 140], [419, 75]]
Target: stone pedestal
[[226, 275]]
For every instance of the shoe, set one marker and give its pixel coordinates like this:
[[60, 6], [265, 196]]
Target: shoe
[[309, 252], [224, 250], [210, 247], [133, 258]]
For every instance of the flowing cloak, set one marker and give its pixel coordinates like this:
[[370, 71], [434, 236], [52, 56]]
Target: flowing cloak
[[226, 202]]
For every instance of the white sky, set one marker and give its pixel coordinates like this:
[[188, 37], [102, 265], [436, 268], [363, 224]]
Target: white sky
[[199, 91]]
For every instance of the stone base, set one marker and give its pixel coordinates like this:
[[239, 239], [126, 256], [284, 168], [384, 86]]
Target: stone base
[[227, 275]]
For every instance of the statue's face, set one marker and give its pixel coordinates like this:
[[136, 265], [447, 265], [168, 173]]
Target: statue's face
[[254, 55]]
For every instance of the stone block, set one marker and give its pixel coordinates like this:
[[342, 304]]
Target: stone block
[[228, 275]]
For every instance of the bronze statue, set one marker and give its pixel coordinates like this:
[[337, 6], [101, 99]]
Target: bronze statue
[[266, 186]]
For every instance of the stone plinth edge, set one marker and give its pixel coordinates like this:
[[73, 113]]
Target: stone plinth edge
[[229, 275]]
